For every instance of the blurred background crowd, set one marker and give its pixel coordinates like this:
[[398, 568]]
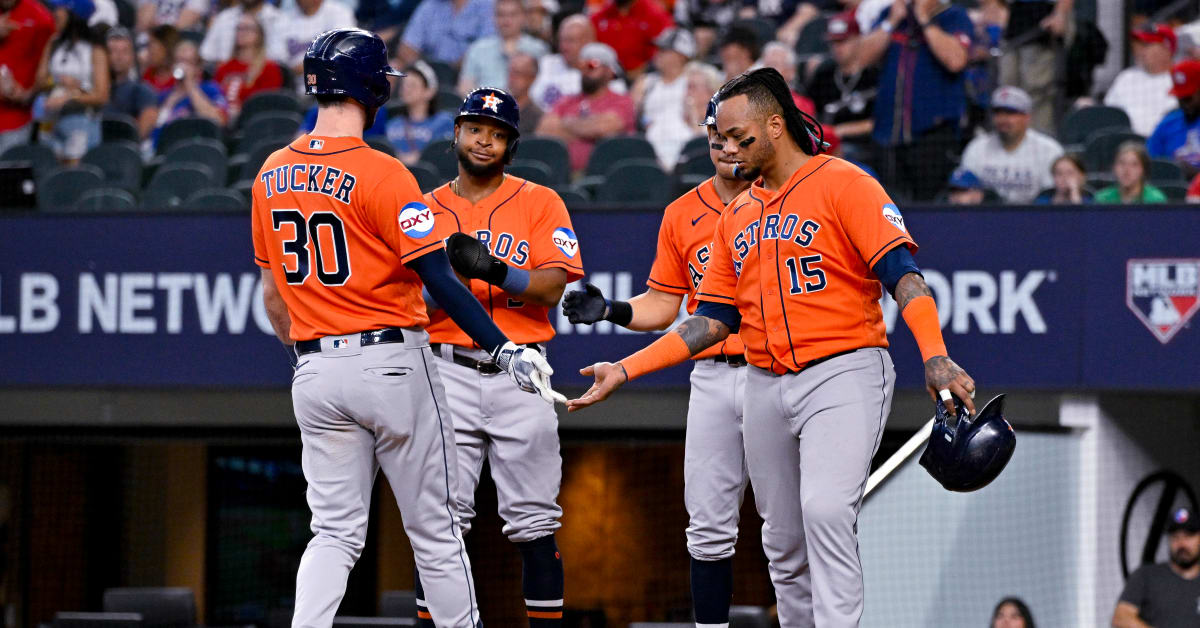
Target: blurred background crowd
[[961, 102]]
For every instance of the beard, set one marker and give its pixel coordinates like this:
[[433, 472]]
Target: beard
[[751, 168], [476, 169], [1184, 560], [591, 85]]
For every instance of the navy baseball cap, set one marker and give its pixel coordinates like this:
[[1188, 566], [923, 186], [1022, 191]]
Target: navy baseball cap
[[963, 179], [1183, 519]]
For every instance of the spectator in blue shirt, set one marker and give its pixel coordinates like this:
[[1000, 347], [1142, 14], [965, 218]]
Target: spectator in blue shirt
[[442, 30], [419, 123], [193, 94], [921, 99], [1177, 136]]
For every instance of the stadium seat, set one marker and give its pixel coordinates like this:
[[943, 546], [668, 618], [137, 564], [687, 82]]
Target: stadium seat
[[635, 181], [105, 200], [255, 158], [217, 199], [273, 101], [277, 126], [97, 620], [687, 182], [748, 617], [1165, 170], [184, 129], [245, 187], [614, 149], [550, 151], [160, 607], [532, 170], [117, 127], [38, 156], [373, 622], [59, 190], [428, 177], [447, 100], [1101, 148], [763, 29], [441, 156], [695, 146], [446, 74], [121, 162], [571, 197], [201, 150], [1176, 192], [382, 145], [174, 183], [700, 163], [1082, 122], [398, 604]]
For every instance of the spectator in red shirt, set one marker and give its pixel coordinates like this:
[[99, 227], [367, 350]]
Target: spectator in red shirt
[[25, 30], [583, 119], [159, 61], [630, 28], [249, 71]]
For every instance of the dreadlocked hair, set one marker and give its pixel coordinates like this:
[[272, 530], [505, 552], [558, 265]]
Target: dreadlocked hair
[[769, 95]]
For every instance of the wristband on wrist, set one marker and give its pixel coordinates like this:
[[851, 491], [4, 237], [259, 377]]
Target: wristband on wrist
[[619, 312], [922, 319], [515, 281], [665, 352]]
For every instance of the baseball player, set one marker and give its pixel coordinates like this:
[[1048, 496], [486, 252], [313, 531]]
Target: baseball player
[[714, 464], [514, 241], [344, 241], [796, 268]]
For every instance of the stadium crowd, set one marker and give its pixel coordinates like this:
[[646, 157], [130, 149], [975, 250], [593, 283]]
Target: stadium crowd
[[960, 102]]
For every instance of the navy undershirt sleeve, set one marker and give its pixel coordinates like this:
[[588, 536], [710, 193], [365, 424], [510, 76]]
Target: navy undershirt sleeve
[[895, 264], [723, 312], [456, 300]]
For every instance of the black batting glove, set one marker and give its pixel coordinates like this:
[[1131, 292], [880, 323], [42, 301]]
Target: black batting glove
[[587, 306], [471, 259]]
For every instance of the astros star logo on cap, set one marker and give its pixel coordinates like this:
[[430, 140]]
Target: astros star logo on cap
[[491, 101]]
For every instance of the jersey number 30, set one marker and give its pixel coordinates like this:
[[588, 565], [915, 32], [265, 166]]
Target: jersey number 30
[[308, 235]]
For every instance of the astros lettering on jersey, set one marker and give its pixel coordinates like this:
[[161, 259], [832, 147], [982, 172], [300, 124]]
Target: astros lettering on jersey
[[684, 248], [524, 225], [797, 264], [318, 221]]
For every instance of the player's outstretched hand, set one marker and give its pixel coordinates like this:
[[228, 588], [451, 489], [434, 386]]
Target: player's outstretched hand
[[585, 306], [609, 377], [942, 374], [528, 369]]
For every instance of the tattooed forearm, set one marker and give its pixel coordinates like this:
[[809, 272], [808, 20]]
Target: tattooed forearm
[[700, 332], [910, 287]]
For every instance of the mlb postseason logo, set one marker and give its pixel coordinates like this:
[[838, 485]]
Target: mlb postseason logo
[[416, 220], [566, 242], [1163, 293]]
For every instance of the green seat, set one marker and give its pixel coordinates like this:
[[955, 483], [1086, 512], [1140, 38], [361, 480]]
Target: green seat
[[59, 190], [173, 184], [636, 181], [608, 152], [185, 129], [121, 162], [105, 200], [201, 150]]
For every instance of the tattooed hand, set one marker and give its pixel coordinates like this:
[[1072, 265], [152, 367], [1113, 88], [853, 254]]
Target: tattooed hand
[[941, 373], [609, 377]]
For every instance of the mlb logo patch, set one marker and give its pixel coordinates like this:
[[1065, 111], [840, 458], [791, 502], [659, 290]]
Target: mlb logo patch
[[1163, 293], [338, 343], [316, 144]]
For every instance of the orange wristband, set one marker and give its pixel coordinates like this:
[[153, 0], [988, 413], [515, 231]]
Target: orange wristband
[[667, 351], [922, 318]]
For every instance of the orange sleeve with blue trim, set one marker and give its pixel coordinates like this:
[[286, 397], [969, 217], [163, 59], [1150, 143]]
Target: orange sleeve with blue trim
[[720, 278], [552, 237]]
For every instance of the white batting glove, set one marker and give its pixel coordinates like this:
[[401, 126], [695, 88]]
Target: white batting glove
[[528, 370]]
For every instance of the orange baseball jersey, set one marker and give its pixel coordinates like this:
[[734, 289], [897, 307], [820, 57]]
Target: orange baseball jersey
[[797, 264], [336, 221], [526, 226], [684, 246]]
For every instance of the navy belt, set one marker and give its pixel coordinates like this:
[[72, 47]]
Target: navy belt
[[366, 339]]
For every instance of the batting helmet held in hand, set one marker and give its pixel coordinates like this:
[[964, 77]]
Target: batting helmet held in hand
[[349, 62], [969, 454], [498, 105]]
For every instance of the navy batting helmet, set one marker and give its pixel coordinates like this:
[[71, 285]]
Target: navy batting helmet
[[498, 105], [968, 455], [349, 62]]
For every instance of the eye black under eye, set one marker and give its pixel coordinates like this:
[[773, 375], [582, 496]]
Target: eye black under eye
[[717, 146], [746, 142]]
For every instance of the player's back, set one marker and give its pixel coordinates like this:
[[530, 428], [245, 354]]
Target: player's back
[[336, 220]]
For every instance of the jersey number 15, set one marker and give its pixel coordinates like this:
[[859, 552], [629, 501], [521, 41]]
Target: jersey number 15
[[307, 236]]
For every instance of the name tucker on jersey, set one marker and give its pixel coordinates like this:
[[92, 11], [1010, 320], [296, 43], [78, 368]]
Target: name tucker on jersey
[[315, 178]]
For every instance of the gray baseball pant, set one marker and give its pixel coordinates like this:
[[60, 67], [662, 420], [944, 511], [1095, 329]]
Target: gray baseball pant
[[714, 459], [361, 409], [810, 437]]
